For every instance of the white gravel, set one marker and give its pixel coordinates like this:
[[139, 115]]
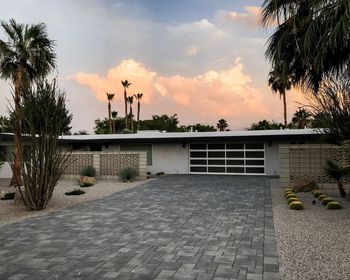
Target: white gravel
[[10, 212], [313, 243]]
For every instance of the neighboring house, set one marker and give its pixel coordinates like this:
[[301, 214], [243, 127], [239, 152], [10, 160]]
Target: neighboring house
[[228, 152]]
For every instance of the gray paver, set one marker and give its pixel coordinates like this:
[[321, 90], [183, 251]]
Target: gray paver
[[176, 227]]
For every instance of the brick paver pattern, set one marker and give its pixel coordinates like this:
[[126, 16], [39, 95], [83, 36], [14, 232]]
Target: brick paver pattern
[[175, 227]]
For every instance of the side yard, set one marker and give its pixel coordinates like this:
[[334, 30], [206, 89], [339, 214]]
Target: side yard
[[312, 243]]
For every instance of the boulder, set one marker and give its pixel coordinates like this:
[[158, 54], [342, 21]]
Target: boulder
[[86, 181], [305, 185]]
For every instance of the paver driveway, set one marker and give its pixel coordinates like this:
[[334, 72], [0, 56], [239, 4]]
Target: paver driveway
[[175, 227]]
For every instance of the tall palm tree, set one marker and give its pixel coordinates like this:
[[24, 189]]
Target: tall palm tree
[[27, 55], [126, 85], [312, 38], [131, 101], [302, 118], [110, 97], [222, 124], [138, 98], [280, 82]]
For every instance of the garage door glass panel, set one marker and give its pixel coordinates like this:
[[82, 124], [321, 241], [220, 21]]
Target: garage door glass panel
[[216, 169], [237, 170], [254, 162], [235, 154], [254, 154], [216, 154], [198, 161], [234, 162], [198, 146], [198, 169], [254, 146], [198, 154], [235, 146], [216, 162], [255, 170], [216, 146]]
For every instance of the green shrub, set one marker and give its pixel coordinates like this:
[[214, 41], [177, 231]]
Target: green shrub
[[326, 200], [75, 192], [296, 205], [333, 205], [291, 196], [292, 199], [8, 196], [128, 174], [88, 171], [286, 194], [288, 189], [321, 196], [317, 193]]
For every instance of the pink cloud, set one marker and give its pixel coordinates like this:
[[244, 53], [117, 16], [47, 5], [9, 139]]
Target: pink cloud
[[205, 98], [250, 17]]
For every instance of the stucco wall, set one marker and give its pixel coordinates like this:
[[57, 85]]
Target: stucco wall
[[271, 159], [170, 159]]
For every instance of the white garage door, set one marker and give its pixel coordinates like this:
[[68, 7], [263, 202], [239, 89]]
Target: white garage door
[[227, 158]]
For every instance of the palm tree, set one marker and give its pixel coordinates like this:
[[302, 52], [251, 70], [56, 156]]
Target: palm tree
[[131, 101], [302, 118], [126, 85], [110, 97], [114, 117], [222, 125], [26, 56], [312, 38], [280, 82], [138, 98]]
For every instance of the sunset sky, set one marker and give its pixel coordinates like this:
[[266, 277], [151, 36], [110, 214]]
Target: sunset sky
[[201, 59]]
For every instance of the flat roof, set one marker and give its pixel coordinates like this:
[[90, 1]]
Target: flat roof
[[153, 136]]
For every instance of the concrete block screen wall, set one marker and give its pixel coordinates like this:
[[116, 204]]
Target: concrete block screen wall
[[107, 165], [308, 161]]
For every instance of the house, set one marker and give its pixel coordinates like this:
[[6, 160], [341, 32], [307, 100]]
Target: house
[[229, 152]]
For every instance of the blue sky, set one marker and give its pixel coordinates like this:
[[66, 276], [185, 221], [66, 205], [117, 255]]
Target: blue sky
[[201, 59]]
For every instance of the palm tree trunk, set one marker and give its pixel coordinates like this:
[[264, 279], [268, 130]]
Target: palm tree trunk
[[16, 179], [109, 117], [284, 109], [138, 115], [126, 109], [131, 120], [341, 189]]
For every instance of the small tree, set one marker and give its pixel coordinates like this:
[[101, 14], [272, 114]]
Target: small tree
[[222, 124], [43, 163]]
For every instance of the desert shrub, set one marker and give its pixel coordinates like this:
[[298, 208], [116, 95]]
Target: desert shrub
[[128, 174], [321, 196], [292, 199], [333, 205], [8, 196], [326, 200], [88, 171], [296, 205], [75, 192], [289, 193], [291, 196], [317, 193]]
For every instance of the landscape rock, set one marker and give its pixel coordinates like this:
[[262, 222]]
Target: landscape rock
[[86, 181], [305, 185]]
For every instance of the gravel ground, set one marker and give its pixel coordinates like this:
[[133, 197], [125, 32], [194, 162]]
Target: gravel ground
[[313, 243], [10, 212]]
